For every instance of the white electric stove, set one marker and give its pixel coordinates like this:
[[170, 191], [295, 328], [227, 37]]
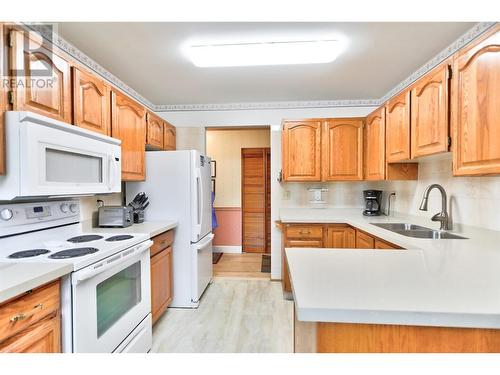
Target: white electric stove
[[106, 304]]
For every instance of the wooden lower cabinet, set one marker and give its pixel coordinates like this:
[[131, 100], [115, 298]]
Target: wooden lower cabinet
[[31, 323], [340, 236], [364, 240], [383, 245], [336, 236], [41, 337], [316, 337], [299, 235], [161, 274]]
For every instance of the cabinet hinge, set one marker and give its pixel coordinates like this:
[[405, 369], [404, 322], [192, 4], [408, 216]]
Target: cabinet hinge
[[450, 72], [10, 97], [449, 141]]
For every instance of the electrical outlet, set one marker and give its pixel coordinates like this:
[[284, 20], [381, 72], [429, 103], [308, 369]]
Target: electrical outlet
[[286, 195]]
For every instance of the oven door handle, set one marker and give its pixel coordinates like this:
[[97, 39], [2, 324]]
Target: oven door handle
[[111, 262]]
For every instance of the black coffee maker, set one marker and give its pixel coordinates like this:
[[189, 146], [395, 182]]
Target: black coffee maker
[[373, 202]]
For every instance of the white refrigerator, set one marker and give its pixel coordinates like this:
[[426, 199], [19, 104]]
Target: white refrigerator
[[179, 187]]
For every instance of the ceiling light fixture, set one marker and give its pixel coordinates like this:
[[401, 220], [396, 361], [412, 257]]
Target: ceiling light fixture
[[266, 53]]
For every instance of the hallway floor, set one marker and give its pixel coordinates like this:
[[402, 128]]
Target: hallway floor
[[235, 316], [244, 265]]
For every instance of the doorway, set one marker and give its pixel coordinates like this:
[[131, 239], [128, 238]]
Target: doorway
[[241, 182], [256, 200]]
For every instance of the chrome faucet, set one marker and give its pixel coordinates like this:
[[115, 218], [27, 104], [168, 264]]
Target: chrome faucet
[[442, 216]]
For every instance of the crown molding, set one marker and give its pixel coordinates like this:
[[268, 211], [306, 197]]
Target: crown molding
[[268, 105], [49, 34], [465, 39]]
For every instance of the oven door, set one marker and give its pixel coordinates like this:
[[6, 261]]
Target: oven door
[[110, 299], [56, 161]]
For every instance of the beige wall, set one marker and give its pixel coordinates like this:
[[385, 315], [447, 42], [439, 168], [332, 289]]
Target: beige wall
[[225, 146]]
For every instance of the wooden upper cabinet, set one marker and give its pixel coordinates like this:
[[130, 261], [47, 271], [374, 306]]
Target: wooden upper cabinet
[[43, 78], [397, 128], [301, 142], [155, 126], [128, 123], [343, 149], [475, 107], [91, 102], [375, 145], [429, 113], [169, 137]]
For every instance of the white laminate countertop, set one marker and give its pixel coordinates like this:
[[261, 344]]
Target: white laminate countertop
[[151, 228], [18, 278], [453, 283]]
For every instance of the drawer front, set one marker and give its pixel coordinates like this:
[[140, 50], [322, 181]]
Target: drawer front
[[26, 310], [304, 231], [304, 243], [162, 241]]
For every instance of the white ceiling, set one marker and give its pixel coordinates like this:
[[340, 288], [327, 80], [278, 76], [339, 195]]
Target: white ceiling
[[148, 57]]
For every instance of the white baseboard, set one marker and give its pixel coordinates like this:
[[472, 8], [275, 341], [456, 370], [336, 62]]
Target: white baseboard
[[227, 249]]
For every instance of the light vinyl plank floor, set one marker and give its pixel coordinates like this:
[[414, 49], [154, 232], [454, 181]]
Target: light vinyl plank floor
[[235, 316], [245, 265]]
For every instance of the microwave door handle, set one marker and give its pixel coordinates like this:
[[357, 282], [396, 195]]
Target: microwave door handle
[[87, 274], [111, 172]]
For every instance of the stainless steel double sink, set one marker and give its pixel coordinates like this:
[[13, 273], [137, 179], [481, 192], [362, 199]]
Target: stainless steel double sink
[[417, 231]]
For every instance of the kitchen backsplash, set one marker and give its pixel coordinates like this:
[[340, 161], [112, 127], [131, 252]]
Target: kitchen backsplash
[[88, 205], [473, 201]]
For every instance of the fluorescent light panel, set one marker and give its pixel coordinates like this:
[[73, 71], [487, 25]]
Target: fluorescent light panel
[[268, 53]]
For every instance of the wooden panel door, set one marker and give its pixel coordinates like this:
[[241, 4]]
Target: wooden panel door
[[129, 125], [41, 337], [91, 102], [364, 240], [343, 149], [161, 282], [375, 145], [301, 143], [397, 128], [44, 81], [254, 199], [340, 236], [169, 137], [429, 113], [475, 107], [154, 132]]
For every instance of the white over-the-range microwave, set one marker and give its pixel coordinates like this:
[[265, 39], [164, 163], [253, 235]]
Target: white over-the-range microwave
[[46, 158]]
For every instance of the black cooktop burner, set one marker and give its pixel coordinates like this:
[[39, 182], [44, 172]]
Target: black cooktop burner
[[73, 253], [85, 238], [28, 253], [121, 237]]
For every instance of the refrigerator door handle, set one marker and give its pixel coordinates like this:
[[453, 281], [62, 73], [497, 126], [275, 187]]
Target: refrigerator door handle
[[202, 245], [199, 201]]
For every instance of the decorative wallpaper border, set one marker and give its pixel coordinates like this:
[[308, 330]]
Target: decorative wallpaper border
[[470, 35], [268, 105], [50, 35]]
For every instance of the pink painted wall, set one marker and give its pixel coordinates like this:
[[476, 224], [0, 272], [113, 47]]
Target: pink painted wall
[[228, 232]]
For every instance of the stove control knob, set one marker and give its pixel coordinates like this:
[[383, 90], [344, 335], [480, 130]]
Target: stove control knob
[[6, 214], [64, 207], [73, 208]]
